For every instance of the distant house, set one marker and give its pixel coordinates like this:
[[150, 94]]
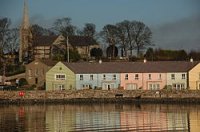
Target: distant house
[[42, 46], [46, 46], [126, 75], [82, 76], [36, 71], [156, 75], [194, 77], [60, 77]]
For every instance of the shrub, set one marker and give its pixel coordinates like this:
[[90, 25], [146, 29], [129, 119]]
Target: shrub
[[22, 82]]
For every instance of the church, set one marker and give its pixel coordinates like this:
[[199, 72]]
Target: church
[[44, 46]]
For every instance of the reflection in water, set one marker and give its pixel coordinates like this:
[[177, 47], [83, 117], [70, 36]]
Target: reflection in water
[[101, 117]]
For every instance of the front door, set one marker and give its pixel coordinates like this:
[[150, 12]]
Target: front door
[[36, 80]]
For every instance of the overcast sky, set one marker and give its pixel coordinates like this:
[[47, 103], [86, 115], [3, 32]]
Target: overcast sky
[[175, 23]]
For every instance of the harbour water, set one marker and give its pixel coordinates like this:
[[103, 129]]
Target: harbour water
[[100, 117]]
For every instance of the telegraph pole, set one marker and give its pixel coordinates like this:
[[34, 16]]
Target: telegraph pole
[[67, 49]]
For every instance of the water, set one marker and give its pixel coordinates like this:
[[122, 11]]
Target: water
[[101, 117]]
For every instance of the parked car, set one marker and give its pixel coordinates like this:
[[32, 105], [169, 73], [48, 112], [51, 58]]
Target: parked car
[[8, 87]]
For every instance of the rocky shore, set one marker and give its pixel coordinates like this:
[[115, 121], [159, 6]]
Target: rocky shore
[[99, 96]]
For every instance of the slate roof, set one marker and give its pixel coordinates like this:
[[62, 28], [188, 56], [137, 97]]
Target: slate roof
[[128, 67], [44, 40], [49, 62], [73, 40], [81, 41]]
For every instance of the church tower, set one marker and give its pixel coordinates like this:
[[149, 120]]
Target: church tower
[[25, 47]]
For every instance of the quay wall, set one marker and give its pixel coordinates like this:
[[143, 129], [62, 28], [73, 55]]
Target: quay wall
[[100, 96]]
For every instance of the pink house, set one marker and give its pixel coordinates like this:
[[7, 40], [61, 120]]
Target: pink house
[[131, 81], [154, 81], [146, 81]]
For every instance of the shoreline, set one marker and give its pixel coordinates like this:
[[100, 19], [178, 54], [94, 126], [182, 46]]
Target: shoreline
[[102, 101], [100, 96]]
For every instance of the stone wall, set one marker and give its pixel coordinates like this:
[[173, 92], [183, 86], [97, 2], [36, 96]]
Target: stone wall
[[101, 96]]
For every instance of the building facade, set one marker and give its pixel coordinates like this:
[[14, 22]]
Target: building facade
[[36, 72], [128, 75]]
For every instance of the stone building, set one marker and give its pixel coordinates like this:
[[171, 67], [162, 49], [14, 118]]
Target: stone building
[[36, 71]]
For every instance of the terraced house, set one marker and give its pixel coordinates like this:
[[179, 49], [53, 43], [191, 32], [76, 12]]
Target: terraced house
[[125, 75]]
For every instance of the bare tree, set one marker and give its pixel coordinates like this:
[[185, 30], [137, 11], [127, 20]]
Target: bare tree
[[89, 30], [4, 31], [141, 35], [64, 26], [108, 34], [13, 41], [122, 36]]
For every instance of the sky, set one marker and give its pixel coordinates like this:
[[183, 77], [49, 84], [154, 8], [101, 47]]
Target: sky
[[175, 23]]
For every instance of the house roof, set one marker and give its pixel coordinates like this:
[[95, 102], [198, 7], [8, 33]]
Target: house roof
[[47, 62], [73, 40], [128, 67], [44, 40], [81, 41]]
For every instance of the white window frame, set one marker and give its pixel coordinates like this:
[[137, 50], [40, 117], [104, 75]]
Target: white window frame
[[160, 76], [153, 86], [173, 76], [60, 76], [149, 76], [126, 77], [136, 76], [183, 76], [178, 86], [81, 77], [91, 77], [104, 77], [114, 77]]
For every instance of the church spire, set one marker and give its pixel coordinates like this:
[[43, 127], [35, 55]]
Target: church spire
[[25, 35], [25, 21]]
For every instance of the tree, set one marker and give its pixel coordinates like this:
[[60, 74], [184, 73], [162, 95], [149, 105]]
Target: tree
[[96, 52], [149, 54], [122, 36], [12, 41], [4, 31], [141, 36], [64, 26], [89, 30], [110, 50], [37, 30], [108, 34]]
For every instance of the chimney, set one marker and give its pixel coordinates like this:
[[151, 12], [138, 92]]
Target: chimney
[[191, 60], [100, 61], [145, 60]]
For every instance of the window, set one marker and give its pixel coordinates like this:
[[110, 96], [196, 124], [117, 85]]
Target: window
[[30, 72], [60, 77], [126, 77], [136, 76], [104, 77], [160, 76], [61, 87], [173, 76], [91, 77], [149, 76], [154, 86], [179, 86], [114, 77], [183, 76], [36, 72], [81, 77]]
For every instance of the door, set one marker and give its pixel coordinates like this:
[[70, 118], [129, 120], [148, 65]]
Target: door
[[36, 80]]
